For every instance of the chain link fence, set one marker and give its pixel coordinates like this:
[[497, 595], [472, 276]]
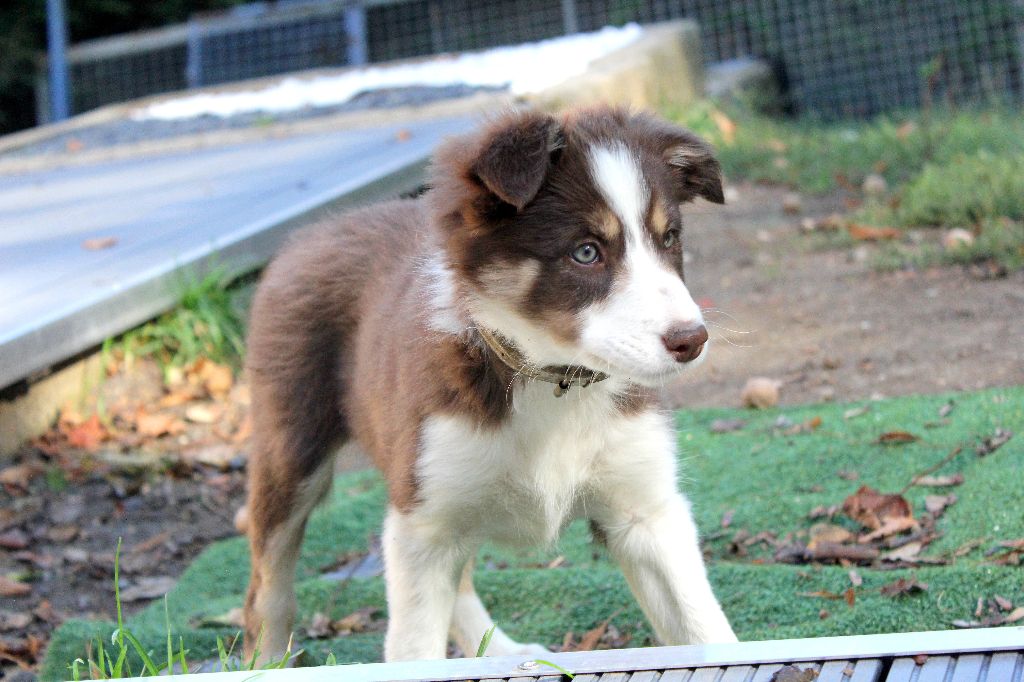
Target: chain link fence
[[834, 58]]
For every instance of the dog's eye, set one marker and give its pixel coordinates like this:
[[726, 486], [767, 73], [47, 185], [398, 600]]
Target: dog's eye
[[670, 239], [586, 254]]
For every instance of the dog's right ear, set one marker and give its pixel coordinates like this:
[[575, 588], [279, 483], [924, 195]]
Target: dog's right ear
[[517, 155]]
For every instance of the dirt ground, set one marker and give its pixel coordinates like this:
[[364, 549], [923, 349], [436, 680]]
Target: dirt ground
[[822, 321], [826, 322]]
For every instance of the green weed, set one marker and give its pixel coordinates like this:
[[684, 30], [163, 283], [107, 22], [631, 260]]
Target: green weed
[[207, 323], [126, 656]]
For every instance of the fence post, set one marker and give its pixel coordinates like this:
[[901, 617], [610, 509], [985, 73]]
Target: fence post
[[194, 54], [570, 20], [355, 29], [57, 43]]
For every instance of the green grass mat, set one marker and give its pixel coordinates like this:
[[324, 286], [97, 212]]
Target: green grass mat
[[763, 478]]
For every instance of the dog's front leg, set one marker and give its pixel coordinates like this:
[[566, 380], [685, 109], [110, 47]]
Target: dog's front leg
[[422, 565], [658, 550]]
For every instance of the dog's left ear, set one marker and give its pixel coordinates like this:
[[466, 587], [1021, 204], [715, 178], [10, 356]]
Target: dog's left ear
[[695, 170], [517, 155]]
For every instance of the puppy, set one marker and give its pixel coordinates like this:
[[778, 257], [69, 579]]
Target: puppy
[[494, 346]]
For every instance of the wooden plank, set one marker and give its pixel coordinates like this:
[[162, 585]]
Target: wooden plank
[[902, 670], [676, 675], [645, 676], [1005, 667], [706, 675], [935, 669], [614, 677], [738, 673], [835, 671], [968, 668], [766, 672], [869, 670]]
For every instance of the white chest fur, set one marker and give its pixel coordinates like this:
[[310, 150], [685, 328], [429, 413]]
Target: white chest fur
[[525, 480]]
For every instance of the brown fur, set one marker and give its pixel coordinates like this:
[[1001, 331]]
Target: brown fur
[[340, 342]]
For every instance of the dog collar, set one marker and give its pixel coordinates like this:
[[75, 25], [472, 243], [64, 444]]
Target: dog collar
[[563, 376]]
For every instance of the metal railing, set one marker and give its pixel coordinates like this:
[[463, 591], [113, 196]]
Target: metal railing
[[834, 57]]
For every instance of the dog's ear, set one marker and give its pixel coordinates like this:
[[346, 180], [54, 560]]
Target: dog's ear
[[691, 161], [517, 155]]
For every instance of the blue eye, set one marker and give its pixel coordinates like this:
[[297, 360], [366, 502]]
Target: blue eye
[[586, 254]]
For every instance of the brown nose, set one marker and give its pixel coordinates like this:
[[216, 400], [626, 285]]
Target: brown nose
[[685, 343]]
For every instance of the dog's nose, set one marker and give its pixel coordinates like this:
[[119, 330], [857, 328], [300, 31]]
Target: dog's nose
[[685, 342]]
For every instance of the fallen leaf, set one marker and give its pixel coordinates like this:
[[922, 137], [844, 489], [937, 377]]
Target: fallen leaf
[[791, 673], [939, 481], [99, 243], [19, 475], [10, 620], [993, 442], [821, 594], [319, 626], [360, 620], [14, 539], [727, 425], [828, 532], [903, 586], [216, 456], [907, 552], [851, 596], [203, 413], [1015, 615], [855, 412], [871, 508], [890, 526], [821, 511], [727, 518], [13, 588], [936, 504], [946, 409], [896, 437], [1003, 603], [830, 551], [725, 125], [855, 579], [590, 639], [158, 424], [870, 233], [557, 561], [217, 379], [87, 435], [807, 426], [62, 534], [149, 587]]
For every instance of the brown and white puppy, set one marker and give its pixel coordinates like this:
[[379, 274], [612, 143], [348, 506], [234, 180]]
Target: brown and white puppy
[[548, 249]]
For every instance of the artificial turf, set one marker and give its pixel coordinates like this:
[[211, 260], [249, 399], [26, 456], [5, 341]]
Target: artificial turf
[[760, 477]]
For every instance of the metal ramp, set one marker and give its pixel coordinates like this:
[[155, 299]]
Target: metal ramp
[[169, 214]]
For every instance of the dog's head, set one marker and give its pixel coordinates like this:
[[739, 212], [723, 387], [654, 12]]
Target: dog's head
[[565, 236]]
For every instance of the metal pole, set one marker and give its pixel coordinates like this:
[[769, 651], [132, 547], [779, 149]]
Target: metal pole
[[355, 27], [570, 19], [57, 43]]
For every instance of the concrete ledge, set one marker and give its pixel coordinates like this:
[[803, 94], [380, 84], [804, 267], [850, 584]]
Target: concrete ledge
[[663, 68]]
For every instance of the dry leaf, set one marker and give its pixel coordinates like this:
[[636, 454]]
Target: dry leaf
[[828, 532], [156, 425], [896, 437], [203, 413], [591, 638], [19, 475], [360, 620], [99, 243], [235, 618], [727, 518], [907, 552], [855, 578], [870, 233], [830, 551], [13, 588], [1015, 615], [871, 509], [993, 442], [87, 435], [725, 125], [821, 594], [217, 379], [149, 587], [319, 626], [727, 425], [903, 586], [890, 526], [851, 596], [1003, 603], [791, 673], [939, 481], [936, 504], [10, 620]]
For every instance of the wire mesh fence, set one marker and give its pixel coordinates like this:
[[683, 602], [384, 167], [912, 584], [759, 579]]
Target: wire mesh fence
[[833, 57]]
